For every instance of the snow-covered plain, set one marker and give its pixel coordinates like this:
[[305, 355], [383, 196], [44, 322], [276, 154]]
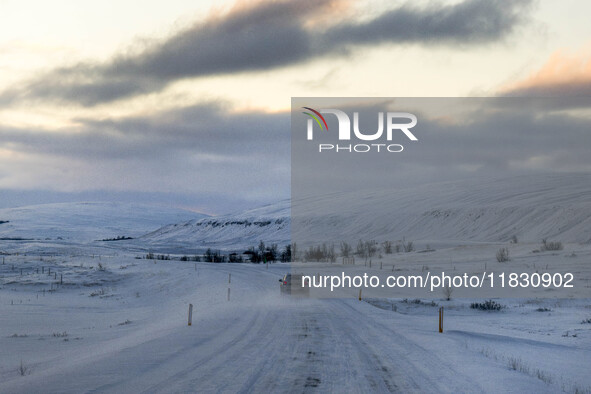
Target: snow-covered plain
[[123, 328], [81, 315], [87, 221]]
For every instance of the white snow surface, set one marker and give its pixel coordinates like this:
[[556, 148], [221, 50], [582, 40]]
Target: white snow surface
[[270, 223], [79, 316], [123, 329], [87, 221], [556, 207], [529, 207]]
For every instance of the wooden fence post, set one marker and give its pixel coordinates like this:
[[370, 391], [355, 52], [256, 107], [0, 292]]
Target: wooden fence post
[[441, 319]]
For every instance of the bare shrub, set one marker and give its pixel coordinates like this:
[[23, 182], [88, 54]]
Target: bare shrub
[[517, 365], [360, 249], [23, 369], [320, 253], [503, 255], [418, 301], [551, 245], [408, 246], [387, 247], [489, 305], [447, 292], [371, 248], [100, 292], [60, 334], [543, 376], [345, 249]]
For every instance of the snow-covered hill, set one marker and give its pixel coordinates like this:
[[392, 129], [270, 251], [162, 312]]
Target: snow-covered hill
[[87, 221], [270, 223], [528, 207], [556, 207]]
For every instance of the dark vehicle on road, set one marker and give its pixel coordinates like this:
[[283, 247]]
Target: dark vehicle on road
[[292, 284]]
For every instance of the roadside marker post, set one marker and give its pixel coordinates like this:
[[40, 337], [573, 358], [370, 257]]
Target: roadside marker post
[[441, 319], [190, 314]]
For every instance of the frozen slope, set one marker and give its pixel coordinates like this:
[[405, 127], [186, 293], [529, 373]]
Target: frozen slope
[[557, 207], [270, 224], [529, 207], [86, 221]]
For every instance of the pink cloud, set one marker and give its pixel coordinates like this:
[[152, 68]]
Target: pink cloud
[[565, 73]]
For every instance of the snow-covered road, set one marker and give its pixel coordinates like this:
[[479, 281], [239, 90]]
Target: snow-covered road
[[258, 342]]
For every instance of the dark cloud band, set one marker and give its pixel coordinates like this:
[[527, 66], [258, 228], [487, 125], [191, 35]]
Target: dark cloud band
[[266, 36]]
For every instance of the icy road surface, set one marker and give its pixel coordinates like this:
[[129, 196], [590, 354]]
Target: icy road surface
[[130, 335]]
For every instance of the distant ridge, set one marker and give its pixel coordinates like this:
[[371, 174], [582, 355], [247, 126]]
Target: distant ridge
[[528, 207], [87, 221], [270, 224]]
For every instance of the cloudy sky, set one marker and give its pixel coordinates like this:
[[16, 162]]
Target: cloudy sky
[[186, 103]]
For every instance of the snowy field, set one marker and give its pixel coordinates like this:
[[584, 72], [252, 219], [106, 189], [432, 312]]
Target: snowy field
[[102, 320], [81, 312]]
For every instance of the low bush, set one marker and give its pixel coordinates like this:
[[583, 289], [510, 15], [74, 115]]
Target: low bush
[[503, 255], [23, 369], [551, 245], [489, 305]]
